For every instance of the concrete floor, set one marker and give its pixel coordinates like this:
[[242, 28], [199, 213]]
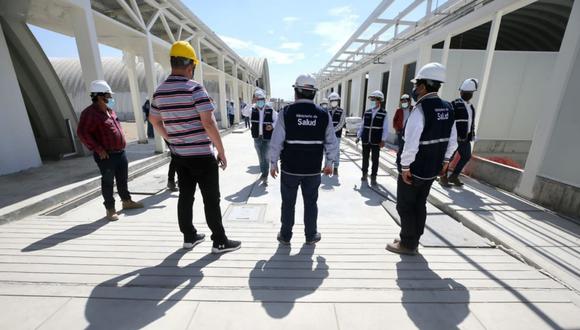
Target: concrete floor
[[80, 271]]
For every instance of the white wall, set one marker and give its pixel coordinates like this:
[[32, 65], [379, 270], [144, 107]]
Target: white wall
[[17, 145], [562, 159]]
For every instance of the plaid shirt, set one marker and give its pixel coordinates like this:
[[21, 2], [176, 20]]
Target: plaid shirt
[[99, 131]]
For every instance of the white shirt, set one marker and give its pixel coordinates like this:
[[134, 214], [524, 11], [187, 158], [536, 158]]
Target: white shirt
[[469, 108], [413, 131], [247, 111]]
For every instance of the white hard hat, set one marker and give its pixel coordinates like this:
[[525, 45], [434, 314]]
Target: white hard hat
[[377, 94], [405, 97], [469, 85], [431, 71], [324, 100], [334, 96], [306, 81], [259, 94], [100, 86]]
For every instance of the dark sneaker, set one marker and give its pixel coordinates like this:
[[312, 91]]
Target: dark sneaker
[[314, 239], [364, 177], [373, 180], [171, 186], [282, 240], [444, 181], [454, 179], [198, 239], [396, 247], [228, 246]]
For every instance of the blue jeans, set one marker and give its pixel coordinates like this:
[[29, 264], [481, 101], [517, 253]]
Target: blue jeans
[[114, 168], [262, 146], [337, 153], [289, 189]]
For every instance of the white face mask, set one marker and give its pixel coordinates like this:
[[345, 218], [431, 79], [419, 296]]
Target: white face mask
[[405, 105], [324, 106], [334, 104]]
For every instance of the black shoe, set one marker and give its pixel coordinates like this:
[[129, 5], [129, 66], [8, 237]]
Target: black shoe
[[172, 186], [314, 239], [198, 239], [282, 240], [228, 246], [373, 180], [364, 177], [454, 179]]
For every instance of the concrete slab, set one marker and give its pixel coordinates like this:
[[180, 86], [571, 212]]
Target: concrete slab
[[28, 312]]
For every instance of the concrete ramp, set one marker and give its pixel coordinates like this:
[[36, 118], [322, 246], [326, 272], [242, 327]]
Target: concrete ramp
[[51, 114]]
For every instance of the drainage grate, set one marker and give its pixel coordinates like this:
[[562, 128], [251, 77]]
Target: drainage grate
[[245, 212]]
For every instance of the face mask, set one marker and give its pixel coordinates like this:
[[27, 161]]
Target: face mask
[[111, 103], [334, 104], [405, 105], [260, 103], [466, 96], [376, 104], [414, 94], [324, 106]]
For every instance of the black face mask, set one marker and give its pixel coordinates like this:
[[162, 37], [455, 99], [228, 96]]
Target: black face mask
[[414, 94], [466, 96]]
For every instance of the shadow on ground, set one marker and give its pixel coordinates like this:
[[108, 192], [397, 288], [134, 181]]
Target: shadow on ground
[[138, 298], [278, 287]]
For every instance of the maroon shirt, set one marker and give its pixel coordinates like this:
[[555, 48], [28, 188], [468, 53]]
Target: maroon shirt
[[99, 131]]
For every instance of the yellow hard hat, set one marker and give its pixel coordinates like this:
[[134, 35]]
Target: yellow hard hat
[[183, 49]]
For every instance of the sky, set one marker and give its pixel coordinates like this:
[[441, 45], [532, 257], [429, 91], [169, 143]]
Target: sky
[[296, 37]]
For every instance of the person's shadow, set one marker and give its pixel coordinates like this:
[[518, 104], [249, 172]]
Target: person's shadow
[[69, 234], [140, 297], [372, 198], [254, 189], [278, 287], [253, 169], [418, 283]]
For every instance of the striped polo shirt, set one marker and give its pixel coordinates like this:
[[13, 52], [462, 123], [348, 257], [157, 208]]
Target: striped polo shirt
[[179, 102]]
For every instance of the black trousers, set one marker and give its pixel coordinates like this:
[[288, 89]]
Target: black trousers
[[412, 209], [247, 121], [114, 168], [231, 118], [464, 151], [192, 172], [367, 149], [171, 172]]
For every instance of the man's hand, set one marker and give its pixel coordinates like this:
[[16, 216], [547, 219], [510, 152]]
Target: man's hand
[[327, 170], [269, 127], [103, 154], [407, 177], [222, 161], [444, 169], [274, 170], [382, 144]]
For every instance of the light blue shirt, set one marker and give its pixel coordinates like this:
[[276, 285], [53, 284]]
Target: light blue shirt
[[385, 126], [279, 136]]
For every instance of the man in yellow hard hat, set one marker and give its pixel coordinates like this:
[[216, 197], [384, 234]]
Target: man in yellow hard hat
[[182, 112]]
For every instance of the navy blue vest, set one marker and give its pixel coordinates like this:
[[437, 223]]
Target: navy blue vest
[[336, 120], [373, 127], [439, 120], [305, 125], [268, 120], [464, 133]]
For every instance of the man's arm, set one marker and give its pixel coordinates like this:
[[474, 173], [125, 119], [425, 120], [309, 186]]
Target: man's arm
[[85, 131], [157, 124], [274, 117], [385, 129], [277, 144], [209, 125], [452, 145], [413, 131]]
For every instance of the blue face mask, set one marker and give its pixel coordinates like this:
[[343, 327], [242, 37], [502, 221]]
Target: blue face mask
[[260, 103], [111, 103]]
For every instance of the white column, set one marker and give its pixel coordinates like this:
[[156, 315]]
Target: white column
[[150, 80], [491, 41], [445, 53], [222, 92], [236, 94], [17, 145], [129, 58], [198, 74], [554, 95], [87, 44], [424, 55]]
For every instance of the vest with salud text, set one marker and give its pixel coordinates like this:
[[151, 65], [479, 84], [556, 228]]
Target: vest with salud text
[[305, 124], [373, 127], [336, 119], [268, 120], [464, 132], [439, 120]]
